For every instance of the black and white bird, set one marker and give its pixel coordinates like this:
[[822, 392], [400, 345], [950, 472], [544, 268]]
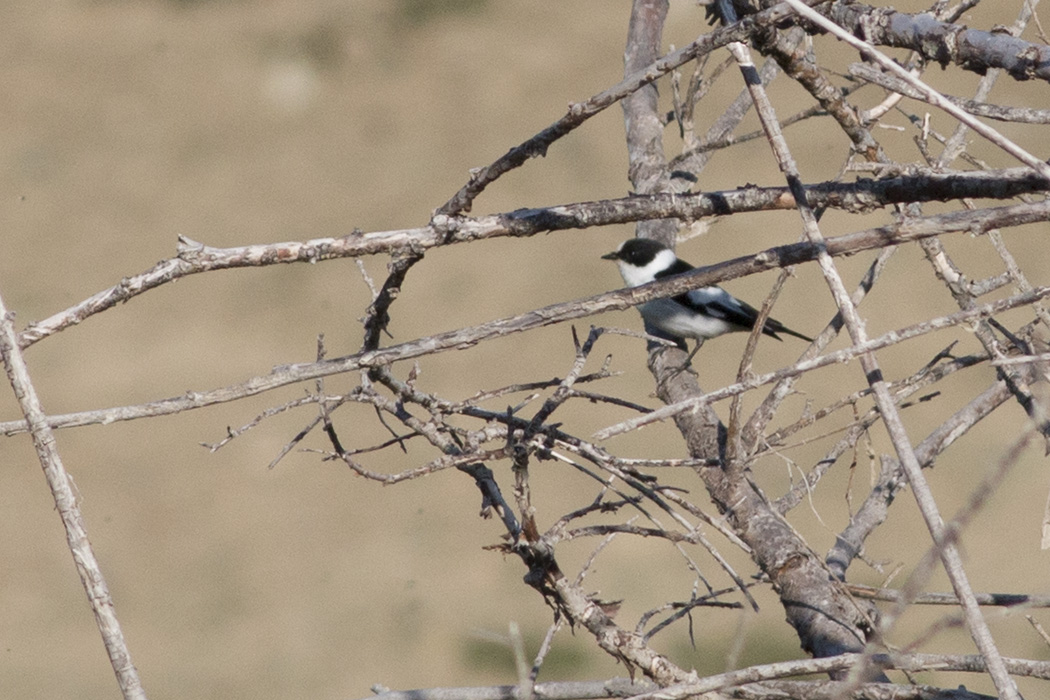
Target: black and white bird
[[702, 313]]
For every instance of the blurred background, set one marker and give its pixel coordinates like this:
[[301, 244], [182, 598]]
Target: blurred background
[[126, 123]]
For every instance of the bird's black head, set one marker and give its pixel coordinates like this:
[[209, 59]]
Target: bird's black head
[[636, 251]]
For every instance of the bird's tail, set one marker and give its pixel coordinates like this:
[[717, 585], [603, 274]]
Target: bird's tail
[[773, 327]]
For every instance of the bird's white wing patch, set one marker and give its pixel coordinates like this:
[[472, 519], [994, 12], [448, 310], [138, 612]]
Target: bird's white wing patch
[[713, 298]]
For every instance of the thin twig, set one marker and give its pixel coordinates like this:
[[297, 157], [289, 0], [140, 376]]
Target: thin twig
[[1006, 600]]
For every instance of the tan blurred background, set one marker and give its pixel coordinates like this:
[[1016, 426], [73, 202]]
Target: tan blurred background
[[124, 124]]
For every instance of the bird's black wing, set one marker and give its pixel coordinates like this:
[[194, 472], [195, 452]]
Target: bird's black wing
[[678, 268], [718, 303]]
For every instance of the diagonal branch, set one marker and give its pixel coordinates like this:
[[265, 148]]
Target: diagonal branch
[[69, 510], [641, 73], [859, 197], [943, 42], [1021, 115]]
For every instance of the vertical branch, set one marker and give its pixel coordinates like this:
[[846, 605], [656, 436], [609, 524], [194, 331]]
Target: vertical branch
[[66, 503], [522, 492], [827, 621], [379, 312], [645, 146], [736, 446]]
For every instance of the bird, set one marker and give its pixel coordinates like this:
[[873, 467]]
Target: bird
[[703, 313]]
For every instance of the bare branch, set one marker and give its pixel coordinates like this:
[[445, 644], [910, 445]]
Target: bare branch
[[909, 662], [943, 42], [1022, 115], [1006, 600], [781, 256], [862, 196], [622, 687], [68, 508], [641, 72], [934, 97]]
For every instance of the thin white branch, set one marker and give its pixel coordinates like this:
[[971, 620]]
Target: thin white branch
[[1020, 360], [622, 687], [69, 510], [784, 669]]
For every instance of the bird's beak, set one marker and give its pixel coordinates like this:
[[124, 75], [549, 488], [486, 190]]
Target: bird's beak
[[615, 255]]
